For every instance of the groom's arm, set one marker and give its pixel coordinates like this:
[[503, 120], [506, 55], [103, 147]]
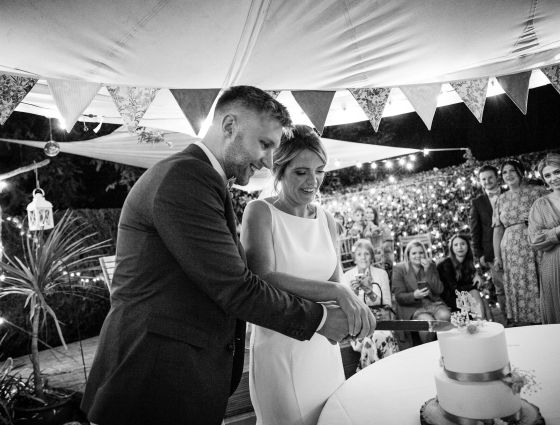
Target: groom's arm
[[189, 216]]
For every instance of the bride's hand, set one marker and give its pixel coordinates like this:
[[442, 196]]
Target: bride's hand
[[361, 321]]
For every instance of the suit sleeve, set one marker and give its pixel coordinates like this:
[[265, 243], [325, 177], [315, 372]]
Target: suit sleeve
[[189, 216], [476, 231], [399, 286]]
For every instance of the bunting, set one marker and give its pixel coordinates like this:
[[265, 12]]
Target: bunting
[[12, 91], [424, 100], [372, 101], [316, 105], [72, 98], [516, 87], [553, 74], [195, 104], [273, 93], [473, 93], [132, 103]]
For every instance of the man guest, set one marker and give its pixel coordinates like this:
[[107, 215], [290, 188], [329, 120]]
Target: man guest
[[482, 231], [171, 348]]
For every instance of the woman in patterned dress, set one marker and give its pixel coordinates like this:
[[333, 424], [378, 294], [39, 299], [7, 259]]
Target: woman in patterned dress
[[544, 235], [513, 252]]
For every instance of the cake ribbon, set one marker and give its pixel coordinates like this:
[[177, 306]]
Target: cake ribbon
[[493, 375], [467, 421]]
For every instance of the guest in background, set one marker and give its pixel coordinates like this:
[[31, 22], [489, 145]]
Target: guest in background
[[362, 277], [372, 285], [482, 232], [544, 235], [372, 216], [417, 288], [360, 227], [457, 272], [513, 252]]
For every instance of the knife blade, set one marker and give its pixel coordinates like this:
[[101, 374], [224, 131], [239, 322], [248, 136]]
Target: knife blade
[[414, 325]]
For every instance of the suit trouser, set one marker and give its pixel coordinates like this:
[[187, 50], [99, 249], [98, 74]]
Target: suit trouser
[[498, 280]]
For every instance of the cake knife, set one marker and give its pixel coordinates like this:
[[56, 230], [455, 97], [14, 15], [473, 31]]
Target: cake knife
[[414, 325]]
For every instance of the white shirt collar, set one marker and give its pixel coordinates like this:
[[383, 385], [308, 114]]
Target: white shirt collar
[[213, 160]]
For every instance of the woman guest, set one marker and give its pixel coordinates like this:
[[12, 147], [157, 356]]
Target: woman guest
[[512, 250], [417, 288], [378, 228], [372, 285], [457, 272], [361, 226], [544, 235], [290, 242]]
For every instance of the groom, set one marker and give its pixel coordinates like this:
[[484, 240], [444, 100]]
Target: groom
[[171, 348]]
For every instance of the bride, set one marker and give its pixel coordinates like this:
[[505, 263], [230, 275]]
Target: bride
[[291, 243]]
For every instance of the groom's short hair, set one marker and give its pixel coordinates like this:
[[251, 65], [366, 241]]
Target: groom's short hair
[[255, 100]]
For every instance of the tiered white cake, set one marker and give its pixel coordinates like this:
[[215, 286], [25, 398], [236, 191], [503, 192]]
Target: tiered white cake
[[468, 385]]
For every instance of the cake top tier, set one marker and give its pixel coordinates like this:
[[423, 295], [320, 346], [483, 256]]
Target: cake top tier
[[480, 352]]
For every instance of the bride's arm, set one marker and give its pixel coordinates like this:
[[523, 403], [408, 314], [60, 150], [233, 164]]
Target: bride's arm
[[256, 237]]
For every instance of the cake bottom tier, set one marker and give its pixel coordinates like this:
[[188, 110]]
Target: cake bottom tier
[[476, 400]]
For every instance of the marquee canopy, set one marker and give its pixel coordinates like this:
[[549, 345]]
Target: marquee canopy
[[280, 45], [122, 148]]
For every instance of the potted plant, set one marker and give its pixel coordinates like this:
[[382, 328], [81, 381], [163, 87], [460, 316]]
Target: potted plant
[[50, 257]]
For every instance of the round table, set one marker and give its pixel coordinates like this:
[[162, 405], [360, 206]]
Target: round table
[[393, 390]]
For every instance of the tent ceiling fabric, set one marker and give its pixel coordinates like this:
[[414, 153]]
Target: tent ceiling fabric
[[275, 45], [122, 148]]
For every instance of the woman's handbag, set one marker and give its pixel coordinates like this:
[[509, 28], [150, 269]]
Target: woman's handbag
[[382, 311]]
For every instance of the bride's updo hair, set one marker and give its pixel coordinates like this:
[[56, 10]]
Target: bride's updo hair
[[303, 138]]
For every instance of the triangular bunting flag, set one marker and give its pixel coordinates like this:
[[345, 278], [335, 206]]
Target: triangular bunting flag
[[553, 74], [72, 98], [473, 93], [424, 100], [195, 104], [316, 105], [516, 87], [273, 93], [132, 103], [12, 91], [372, 101]]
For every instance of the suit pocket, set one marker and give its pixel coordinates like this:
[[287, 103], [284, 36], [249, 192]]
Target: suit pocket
[[178, 329]]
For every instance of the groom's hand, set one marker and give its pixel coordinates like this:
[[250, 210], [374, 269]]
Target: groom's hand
[[360, 320], [335, 328]]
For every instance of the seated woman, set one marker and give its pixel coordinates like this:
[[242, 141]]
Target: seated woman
[[372, 285], [457, 272], [417, 287], [360, 227]]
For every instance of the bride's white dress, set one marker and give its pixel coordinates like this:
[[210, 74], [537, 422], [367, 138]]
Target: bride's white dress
[[291, 380]]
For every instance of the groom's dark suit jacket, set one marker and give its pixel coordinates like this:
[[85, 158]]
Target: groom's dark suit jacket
[[482, 231], [171, 348]]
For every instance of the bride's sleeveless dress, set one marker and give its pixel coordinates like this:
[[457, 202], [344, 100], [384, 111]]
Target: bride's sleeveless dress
[[291, 380]]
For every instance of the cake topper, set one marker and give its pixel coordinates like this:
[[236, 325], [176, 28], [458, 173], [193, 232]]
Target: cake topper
[[469, 317]]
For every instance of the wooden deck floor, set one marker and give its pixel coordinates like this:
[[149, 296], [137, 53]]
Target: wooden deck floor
[[65, 369]]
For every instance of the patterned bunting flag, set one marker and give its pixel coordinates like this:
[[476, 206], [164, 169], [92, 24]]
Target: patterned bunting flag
[[195, 104], [12, 91], [372, 101], [473, 93], [316, 105], [553, 74], [72, 98], [273, 93], [424, 100], [132, 103], [516, 87]]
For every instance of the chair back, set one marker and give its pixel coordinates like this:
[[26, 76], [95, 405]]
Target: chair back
[[108, 268], [345, 248]]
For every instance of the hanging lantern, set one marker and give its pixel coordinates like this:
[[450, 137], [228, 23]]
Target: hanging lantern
[[39, 212]]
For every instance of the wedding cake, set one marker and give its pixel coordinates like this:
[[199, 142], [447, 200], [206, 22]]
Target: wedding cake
[[469, 381], [475, 382]]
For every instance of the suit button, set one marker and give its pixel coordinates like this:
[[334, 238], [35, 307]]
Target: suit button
[[230, 347]]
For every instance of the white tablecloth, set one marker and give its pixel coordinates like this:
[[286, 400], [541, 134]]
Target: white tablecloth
[[393, 390]]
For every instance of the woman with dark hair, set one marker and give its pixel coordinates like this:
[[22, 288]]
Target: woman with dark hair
[[457, 272], [291, 243], [544, 235], [512, 250]]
